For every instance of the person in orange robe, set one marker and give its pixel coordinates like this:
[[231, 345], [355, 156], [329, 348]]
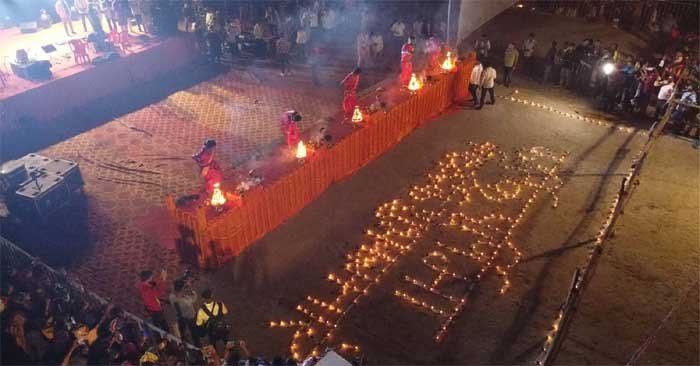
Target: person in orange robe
[[406, 61], [289, 128], [350, 84], [208, 167]]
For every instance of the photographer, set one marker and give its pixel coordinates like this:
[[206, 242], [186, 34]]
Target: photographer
[[152, 290], [183, 299], [210, 318]]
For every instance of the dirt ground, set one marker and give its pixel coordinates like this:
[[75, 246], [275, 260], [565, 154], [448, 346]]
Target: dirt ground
[[635, 285], [646, 268], [277, 273]]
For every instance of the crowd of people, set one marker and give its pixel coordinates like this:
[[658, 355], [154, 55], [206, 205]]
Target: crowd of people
[[637, 85], [47, 319], [310, 32], [118, 15]]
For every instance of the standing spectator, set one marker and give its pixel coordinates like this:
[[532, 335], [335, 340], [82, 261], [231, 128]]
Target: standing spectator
[[566, 55], [183, 300], [95, 19], [688, 96], [510, 62], [363, 44], [482, 47], [233, 31], [283, 47], [214, 43], [528, 53], [122, 11], [315, 62], [475, 82], [418, 27], [63, 11], [398, 31], [488, 79], [302, 41], [137, 11], [210, 319], [377, 46], [152, 290], [328, 18], [82, 7], [549, 59], [665, 94]]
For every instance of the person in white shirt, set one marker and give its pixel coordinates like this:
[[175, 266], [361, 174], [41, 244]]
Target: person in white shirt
[[398, 29], [63, 11], [363, 45], [528, 52], [377, 46], [488, 79], [482, 47], [475, 81], [665, 94]]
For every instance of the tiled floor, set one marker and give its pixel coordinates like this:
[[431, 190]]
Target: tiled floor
[[131, 163]]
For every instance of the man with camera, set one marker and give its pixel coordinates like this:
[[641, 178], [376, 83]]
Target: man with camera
[[152, 290], [183, 299], [210, 318]]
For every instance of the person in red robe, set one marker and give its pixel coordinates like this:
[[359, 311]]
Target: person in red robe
[[433, 48], [406, 61], [350, 84], [208, 167], [289, 128]]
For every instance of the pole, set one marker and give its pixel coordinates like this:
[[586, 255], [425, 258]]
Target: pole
[[447, 28]]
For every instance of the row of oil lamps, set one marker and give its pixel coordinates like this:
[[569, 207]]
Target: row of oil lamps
[[401, 224]]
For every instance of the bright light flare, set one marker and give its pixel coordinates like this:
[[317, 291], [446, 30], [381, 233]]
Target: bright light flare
[[608, 68]]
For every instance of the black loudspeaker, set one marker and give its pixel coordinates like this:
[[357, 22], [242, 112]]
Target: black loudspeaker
[[33, 70], [41, 196], [67, 170], [28, 27]]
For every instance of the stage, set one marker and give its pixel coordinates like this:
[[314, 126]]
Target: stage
[[74, 86]]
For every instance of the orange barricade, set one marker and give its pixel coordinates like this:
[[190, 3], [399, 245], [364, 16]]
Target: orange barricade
[[210, 238]]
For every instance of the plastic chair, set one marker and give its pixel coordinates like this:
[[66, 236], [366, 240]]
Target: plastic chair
[[80, 51]]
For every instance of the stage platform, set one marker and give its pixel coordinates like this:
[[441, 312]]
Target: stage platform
[[73, 86]]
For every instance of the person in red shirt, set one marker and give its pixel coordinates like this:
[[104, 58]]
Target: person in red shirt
[[289, 128], [152, 290], [406, 61], [350, 85]]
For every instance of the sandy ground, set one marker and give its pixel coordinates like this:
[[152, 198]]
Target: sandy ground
[[650, 266], [634, 287], [277, 273], [645, 270], [291, 263]]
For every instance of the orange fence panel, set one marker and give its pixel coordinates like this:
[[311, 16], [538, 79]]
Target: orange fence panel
[[220, 236]]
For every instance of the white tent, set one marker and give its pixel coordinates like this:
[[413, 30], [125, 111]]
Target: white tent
[[333, 359]]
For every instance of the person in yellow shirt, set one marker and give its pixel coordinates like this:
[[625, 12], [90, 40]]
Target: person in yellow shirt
[[210, 319]]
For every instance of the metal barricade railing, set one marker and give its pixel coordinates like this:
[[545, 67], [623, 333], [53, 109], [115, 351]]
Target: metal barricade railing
[[583, 275], [11, 254]]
